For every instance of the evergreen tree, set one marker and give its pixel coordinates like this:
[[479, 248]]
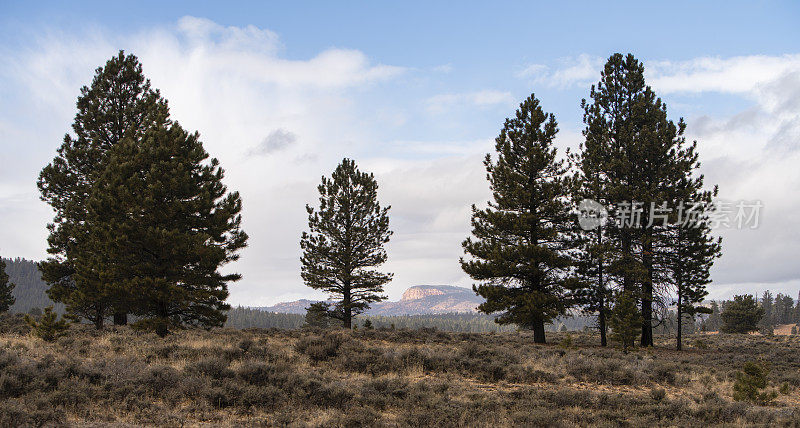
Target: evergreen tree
[[741, 315], [796, 318], [767, 322], [691, 252], [163, 224], [594, 250], [636, 154], [714, 320], [345, 242], [625, 320], [318, 315], [591, 263], [784, 309], [48, 327], [119, 104], [6, 299], [521, 241]]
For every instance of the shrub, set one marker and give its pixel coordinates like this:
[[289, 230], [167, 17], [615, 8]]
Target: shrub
[[319, 348], [214, 367], [658, 394], [49, 327], [750, 382]]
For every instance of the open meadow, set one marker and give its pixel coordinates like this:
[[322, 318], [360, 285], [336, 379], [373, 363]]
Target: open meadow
[[229, 377]]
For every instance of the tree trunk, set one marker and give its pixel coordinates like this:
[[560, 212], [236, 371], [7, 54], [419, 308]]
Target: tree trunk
[[601, 321], [538, 331], [627, 280], [647, 294], [347, 308], [99, 317], [680, 315], [161, 329], [120, 318], [601, 316]]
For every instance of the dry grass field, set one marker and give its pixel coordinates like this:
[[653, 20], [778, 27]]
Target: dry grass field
[[383, 378]]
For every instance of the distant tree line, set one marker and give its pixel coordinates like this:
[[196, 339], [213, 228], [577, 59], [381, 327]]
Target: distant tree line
[[30, 290], [243, 317], [746, 313]]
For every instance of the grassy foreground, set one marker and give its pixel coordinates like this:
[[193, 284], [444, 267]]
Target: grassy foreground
[[383, 378]]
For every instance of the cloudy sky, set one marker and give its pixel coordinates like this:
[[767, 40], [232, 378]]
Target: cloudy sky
[[415, 93]]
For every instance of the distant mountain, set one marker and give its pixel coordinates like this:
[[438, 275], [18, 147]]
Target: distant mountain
[[416, 300]]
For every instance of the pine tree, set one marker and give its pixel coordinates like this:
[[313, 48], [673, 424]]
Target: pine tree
[[691, 251], [796, 319], [592, 264], [345, 242], [625, 320], [119, 104], [318, 315], [767, 322], [594, 250], [164, 223], [48, 327], [741, 315], [636, 154], [519, 245], [6, 299]]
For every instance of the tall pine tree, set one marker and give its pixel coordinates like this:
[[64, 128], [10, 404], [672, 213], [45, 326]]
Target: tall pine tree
[[637, 154], [345, 241], [164, 223], [519, 246], [118, 104], [690, 251], [6, 299]]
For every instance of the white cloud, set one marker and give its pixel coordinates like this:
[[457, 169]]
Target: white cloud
[[235, 87], [742, 75], [445, 102], [571, 71]]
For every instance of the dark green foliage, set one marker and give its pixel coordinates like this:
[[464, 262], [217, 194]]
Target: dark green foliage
[[345, 241], [632, 153], [689, 254], [778, 310], [519, 245], [750, 382], [119, 104], [625, 320], [6, 288], [48, 327], [318, 315], [164, 223], [741, 315]]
